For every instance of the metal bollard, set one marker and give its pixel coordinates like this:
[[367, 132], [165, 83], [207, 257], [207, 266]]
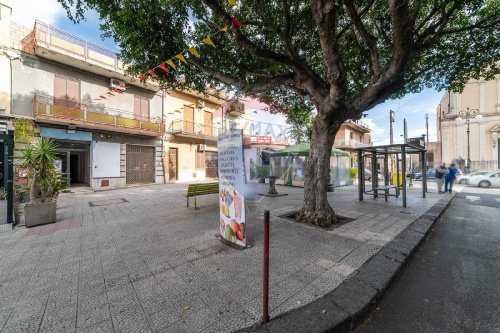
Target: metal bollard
[[265, 270]]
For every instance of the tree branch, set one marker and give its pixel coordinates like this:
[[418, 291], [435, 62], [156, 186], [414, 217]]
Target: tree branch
[[369, 39]]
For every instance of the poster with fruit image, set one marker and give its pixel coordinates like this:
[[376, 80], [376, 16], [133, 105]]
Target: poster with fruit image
[[231, 188]]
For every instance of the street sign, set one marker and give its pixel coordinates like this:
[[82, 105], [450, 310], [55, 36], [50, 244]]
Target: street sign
[[416, 142]]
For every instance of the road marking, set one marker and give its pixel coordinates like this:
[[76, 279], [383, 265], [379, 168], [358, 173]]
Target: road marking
[[472, 198]]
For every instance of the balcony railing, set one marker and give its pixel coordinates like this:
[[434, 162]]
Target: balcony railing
[[193, 129], [350, 144], [359, 123], [73, 112], [53, 37]]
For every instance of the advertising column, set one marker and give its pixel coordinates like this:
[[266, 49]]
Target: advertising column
[[231, 186]]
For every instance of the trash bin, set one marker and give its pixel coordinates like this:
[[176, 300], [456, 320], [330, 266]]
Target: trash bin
[[397, 178]]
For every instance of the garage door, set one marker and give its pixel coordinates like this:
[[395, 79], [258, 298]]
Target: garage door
[[140, 164]]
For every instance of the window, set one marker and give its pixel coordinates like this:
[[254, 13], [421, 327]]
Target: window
[[66, 91], [141, 107], [207, 123], [351, 135], [200, 160]]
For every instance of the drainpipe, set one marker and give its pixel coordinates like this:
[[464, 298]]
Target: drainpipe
[[163, 135]]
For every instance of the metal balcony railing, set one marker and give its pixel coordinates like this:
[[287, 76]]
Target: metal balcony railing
[[350, 143], [53, 37], [359, 123], [70, 111], [188, 127]]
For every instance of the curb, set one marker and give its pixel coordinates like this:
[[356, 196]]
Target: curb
[[350, 303]]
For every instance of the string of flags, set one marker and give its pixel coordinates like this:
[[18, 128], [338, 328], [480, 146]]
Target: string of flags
[[168, 65]]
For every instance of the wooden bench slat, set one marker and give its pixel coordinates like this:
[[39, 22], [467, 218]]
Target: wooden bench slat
[[195, 190]]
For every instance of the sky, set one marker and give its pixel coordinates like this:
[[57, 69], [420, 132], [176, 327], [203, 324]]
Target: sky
[[412, 107]]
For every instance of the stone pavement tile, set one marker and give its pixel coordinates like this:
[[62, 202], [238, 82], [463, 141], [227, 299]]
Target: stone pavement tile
[[379, 272], [91, 316], [105, 326], [178, 327], [62, 325], [5, 311], [28, 323], [127, 315], [164, 318]]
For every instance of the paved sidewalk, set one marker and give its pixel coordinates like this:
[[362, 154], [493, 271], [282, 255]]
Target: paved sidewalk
[[151, 264]]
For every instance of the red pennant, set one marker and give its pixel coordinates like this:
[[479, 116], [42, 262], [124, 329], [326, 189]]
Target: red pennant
[[102, 97], [163, 67], [152, 73], [142, 78], [110, 94], [118, 91], [123, 86], [236, 23]]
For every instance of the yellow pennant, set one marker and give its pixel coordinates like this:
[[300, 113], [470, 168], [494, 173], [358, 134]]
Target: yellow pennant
[[232, 3], [209, 41], [193, 51], [224, 28], [170, 63], [181, 58]]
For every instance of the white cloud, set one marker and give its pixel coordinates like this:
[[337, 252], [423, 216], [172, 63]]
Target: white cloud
[[26, 11]]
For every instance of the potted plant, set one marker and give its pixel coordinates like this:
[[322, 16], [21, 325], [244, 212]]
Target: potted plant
[[263, 173], [44, 182]]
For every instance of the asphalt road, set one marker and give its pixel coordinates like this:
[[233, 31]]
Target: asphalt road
[[452, 284]]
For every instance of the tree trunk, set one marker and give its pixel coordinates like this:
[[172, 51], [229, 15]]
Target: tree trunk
[[316, 209]]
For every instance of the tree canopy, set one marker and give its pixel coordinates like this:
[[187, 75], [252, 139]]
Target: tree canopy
[[357, 53]]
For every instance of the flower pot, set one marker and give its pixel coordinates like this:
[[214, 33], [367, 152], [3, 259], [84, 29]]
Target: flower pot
[[38, 214]]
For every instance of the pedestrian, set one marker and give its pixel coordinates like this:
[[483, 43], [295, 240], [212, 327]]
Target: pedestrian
[[440, 174], [450, 178]]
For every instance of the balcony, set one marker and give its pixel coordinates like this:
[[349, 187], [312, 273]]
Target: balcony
[[49, 109], [189, 129], [63, 47], [358, 125], [235, 108], [350, 144]]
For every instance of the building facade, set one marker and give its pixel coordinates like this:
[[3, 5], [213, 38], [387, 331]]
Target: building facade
[[484, 129], [351, 135]]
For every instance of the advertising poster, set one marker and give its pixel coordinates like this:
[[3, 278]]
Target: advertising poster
[[231, 186]]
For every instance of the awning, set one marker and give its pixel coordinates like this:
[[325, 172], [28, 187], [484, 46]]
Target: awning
[[302, 149]]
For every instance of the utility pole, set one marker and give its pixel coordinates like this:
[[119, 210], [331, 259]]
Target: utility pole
[[405, 131], [391, 121], [427, 125]]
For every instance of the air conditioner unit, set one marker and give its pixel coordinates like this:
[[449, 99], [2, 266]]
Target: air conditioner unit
[[202, 147], [200, 103], [117, 84]]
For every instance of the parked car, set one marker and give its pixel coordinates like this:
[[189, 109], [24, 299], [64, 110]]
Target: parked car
[[368, 176], [431, 174], [491, 178], [464, 179]]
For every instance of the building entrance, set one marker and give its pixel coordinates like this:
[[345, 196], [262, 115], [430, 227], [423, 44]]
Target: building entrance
[[74, 162]]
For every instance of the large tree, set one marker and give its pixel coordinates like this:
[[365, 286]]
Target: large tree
[[343, 57]]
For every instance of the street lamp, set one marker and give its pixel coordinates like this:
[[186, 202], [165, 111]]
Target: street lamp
[[468, 114]]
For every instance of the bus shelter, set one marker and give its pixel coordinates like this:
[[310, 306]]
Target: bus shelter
[[397, 152]]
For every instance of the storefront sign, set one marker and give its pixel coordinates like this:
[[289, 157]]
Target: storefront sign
[[231, 185], [416, 142]]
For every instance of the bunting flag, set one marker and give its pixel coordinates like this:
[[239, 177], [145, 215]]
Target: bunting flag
[[116, 90], [163, 67], [236, 23], [123, 86], [152, 73], [181, 58], [224, 28], [170, 63], [110, 93], [193, 51], [142, 78], [209, 41], [232, 3], [102, 97]]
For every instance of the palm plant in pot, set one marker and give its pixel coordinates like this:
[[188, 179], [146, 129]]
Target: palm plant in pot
[[44, 182]]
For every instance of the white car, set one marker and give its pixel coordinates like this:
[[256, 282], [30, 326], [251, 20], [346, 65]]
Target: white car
[[464, 179], [492, 178]]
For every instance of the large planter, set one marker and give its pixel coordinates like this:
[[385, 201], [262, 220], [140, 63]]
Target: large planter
[[38, 214]]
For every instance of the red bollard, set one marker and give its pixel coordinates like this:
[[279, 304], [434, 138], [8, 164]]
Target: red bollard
[[265, 270]]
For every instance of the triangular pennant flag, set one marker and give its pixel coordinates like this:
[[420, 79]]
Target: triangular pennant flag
[[181, 58], [170, 63], [118, 91], [193, 51], [232, 3], [163, 67], [123, 86], [142, 78], [152, 73], [236, 23], [102, 97], [224, 28], [209, 41], [110, 94]]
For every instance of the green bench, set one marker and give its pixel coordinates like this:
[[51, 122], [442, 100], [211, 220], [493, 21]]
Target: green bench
[[195, 190]]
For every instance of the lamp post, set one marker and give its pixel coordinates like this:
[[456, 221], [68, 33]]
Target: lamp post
[[468, 114]]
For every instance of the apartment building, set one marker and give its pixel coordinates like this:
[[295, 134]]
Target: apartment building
[[482, 144], [55, 78]]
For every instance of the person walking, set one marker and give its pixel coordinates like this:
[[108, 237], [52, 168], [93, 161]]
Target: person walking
[[450, 178], [440, 174]]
